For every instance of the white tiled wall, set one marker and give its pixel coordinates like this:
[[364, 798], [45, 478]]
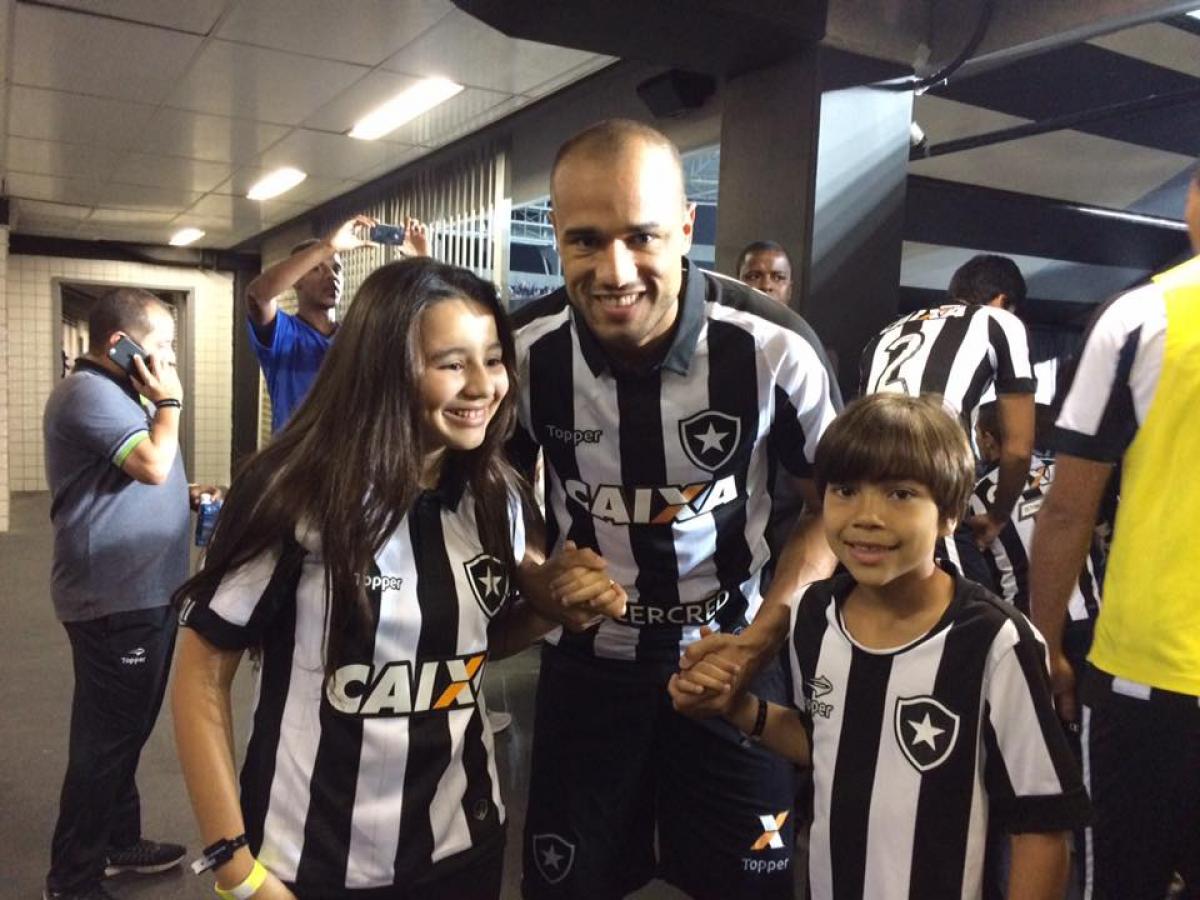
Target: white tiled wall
[[28, 315], [5, 488]]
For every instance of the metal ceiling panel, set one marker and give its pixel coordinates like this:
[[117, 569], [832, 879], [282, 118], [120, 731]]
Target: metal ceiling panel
[[74, 118], [72, 51], [948, 120], [1159, 44], [365, 32], [1083, 77], [1066, 165], [177, 132], [171, 172], [560, 81], [61, 160], [342, 111], [194, 16], [139, 196], [43, 212], [442, 123], [131, 217], [465, 50], [224, 209], [27, 186], [241, 180], [331, 156], [237, 80]]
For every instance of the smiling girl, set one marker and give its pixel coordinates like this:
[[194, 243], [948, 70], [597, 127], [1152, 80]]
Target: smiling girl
[[370, 556]]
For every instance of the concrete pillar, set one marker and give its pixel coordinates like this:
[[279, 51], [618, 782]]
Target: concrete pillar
[[824, 176], [858, 220], [768, 163]]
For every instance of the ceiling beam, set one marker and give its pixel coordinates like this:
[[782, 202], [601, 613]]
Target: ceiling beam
[[953, 214]]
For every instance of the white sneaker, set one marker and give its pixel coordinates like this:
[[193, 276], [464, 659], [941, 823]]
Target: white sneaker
[[499, 721]]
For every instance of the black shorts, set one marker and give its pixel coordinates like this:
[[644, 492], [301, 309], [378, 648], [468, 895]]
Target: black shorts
[[1142, 767], [615, 767]]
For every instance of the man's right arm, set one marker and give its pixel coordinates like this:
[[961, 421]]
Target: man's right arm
[[151, 459], [263, 292], [1061, 540]]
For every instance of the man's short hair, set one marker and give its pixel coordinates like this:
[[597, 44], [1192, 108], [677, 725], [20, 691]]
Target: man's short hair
[[610, 138], [124, 309], [761, 247], [892, 436], [982, 277]]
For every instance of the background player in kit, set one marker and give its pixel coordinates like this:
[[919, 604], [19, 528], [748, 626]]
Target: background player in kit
[[369, 553], [1133, 401], [662, 397], [924, 705], [962, 350]]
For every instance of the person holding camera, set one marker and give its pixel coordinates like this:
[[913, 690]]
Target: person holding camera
[[119, 508], [290, 347]]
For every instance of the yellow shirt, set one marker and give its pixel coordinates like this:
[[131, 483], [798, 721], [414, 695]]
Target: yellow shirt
[[1149, 625]]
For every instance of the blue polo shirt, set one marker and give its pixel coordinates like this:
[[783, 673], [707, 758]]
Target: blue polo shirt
[[289, 363]]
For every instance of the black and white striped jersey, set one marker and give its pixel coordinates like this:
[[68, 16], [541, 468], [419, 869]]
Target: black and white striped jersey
[[1115, 378], [916, 749], [1008, 556], [666, 473], [960, 350], [373, 777]]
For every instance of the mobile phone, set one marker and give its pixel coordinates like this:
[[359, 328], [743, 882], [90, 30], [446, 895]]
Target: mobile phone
[[386, 234], [123, 352]]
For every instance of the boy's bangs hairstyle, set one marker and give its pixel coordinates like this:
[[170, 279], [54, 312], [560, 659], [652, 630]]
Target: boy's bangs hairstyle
[[885, 437]]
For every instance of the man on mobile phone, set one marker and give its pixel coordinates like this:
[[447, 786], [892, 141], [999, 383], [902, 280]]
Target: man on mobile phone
[[119, 507], [290, 347]]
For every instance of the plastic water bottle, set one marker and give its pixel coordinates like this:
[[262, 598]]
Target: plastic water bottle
[[206, 519]]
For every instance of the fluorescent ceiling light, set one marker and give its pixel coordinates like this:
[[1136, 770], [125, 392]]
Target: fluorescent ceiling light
[[185, 236], [404, 107], [275, 183], [1195, 14]]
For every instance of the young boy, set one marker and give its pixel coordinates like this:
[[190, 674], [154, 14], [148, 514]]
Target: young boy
[[1007, 557], [924, 706]]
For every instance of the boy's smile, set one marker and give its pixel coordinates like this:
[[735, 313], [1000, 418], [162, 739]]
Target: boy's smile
[[883, 531]]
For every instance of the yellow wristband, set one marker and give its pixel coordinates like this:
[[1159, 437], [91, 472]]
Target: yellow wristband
[[247, 888]]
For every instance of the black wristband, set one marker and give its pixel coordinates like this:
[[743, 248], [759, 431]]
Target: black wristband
[[168, 402], [219, 853], [760, 720]]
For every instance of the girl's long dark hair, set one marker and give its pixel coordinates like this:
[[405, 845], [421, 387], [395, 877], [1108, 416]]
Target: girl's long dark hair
[[349, 462]]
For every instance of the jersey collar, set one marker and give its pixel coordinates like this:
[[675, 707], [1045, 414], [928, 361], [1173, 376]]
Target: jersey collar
[[692, 296]]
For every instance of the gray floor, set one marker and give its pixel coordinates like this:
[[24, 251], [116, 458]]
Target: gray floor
[[35, 696]]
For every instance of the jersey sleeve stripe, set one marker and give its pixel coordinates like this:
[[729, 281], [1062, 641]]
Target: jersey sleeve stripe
[[1116, 426], [1014, 372]]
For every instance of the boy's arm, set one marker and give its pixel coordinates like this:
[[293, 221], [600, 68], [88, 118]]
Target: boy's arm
[[783, 731], [1040, 862], [805, 558], [1016, 448]]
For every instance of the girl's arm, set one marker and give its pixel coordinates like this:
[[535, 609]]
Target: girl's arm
[[203, 717], [516, 627]]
